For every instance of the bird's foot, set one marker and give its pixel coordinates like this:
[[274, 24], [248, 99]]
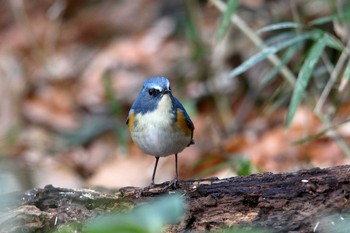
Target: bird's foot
[[152, 185], [173, 184]]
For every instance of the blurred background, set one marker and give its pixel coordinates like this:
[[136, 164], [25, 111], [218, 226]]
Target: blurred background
[[264, 81]]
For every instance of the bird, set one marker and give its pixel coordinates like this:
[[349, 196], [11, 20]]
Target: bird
[[159, 124]]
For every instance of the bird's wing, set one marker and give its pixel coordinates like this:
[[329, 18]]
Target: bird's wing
[[130, 119], [184, 119], [181, 108], [127, 120]]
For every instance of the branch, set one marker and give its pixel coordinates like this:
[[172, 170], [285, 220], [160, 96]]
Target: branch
[[277, 202]]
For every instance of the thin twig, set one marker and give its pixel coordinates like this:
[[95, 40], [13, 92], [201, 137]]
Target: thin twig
[[334, 75]]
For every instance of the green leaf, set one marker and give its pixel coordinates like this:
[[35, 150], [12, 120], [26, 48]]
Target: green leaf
[[347, 72], [192, 30], [244, 166], [268, 51], [148, 218], [90, 128], [278, 98], [333, 42], [279, 26], [335, 222], [68, 228], [310, 138], [304, 77], [113, 106], [278, 38], [319, 134], [346, 76], [328, 19], [225, 22], [288, 55]]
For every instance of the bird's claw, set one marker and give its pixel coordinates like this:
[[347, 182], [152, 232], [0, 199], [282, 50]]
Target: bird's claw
[[173, 184]]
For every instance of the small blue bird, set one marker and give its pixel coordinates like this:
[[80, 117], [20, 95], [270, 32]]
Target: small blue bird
[[158, 123]]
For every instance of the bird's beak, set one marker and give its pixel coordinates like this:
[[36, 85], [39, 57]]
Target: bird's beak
[[165, 92]]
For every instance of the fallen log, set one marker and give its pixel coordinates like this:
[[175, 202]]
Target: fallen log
[[310, 200]]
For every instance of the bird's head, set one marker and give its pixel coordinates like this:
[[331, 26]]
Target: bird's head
[[152, 93]]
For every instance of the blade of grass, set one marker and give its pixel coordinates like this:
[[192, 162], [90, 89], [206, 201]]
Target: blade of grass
[[286, 73], [310, 138], [268, 51], [328, 19], [278, 99], [113, 105], [192, 32], [319, 134], [304, 77], [278, 38], [114, 109], [225, 22], [333, 78], [333, 133], [284, 60], [333, 42], [346, 77], [279, 26]]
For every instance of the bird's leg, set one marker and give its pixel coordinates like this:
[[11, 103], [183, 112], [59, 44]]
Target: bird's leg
[[173, 183], [154, 171], [177, 172]]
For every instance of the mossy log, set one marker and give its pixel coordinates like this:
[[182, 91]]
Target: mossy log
[[304, 201]]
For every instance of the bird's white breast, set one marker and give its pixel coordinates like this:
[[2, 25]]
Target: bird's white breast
[[156, 134]]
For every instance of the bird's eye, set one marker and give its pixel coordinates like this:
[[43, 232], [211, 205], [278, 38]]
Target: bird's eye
[[153, 92]]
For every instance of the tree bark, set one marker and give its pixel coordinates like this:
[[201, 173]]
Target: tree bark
[[313, 200]]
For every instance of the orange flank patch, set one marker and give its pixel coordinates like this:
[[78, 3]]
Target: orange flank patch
[[131, 120], [182, 123]]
